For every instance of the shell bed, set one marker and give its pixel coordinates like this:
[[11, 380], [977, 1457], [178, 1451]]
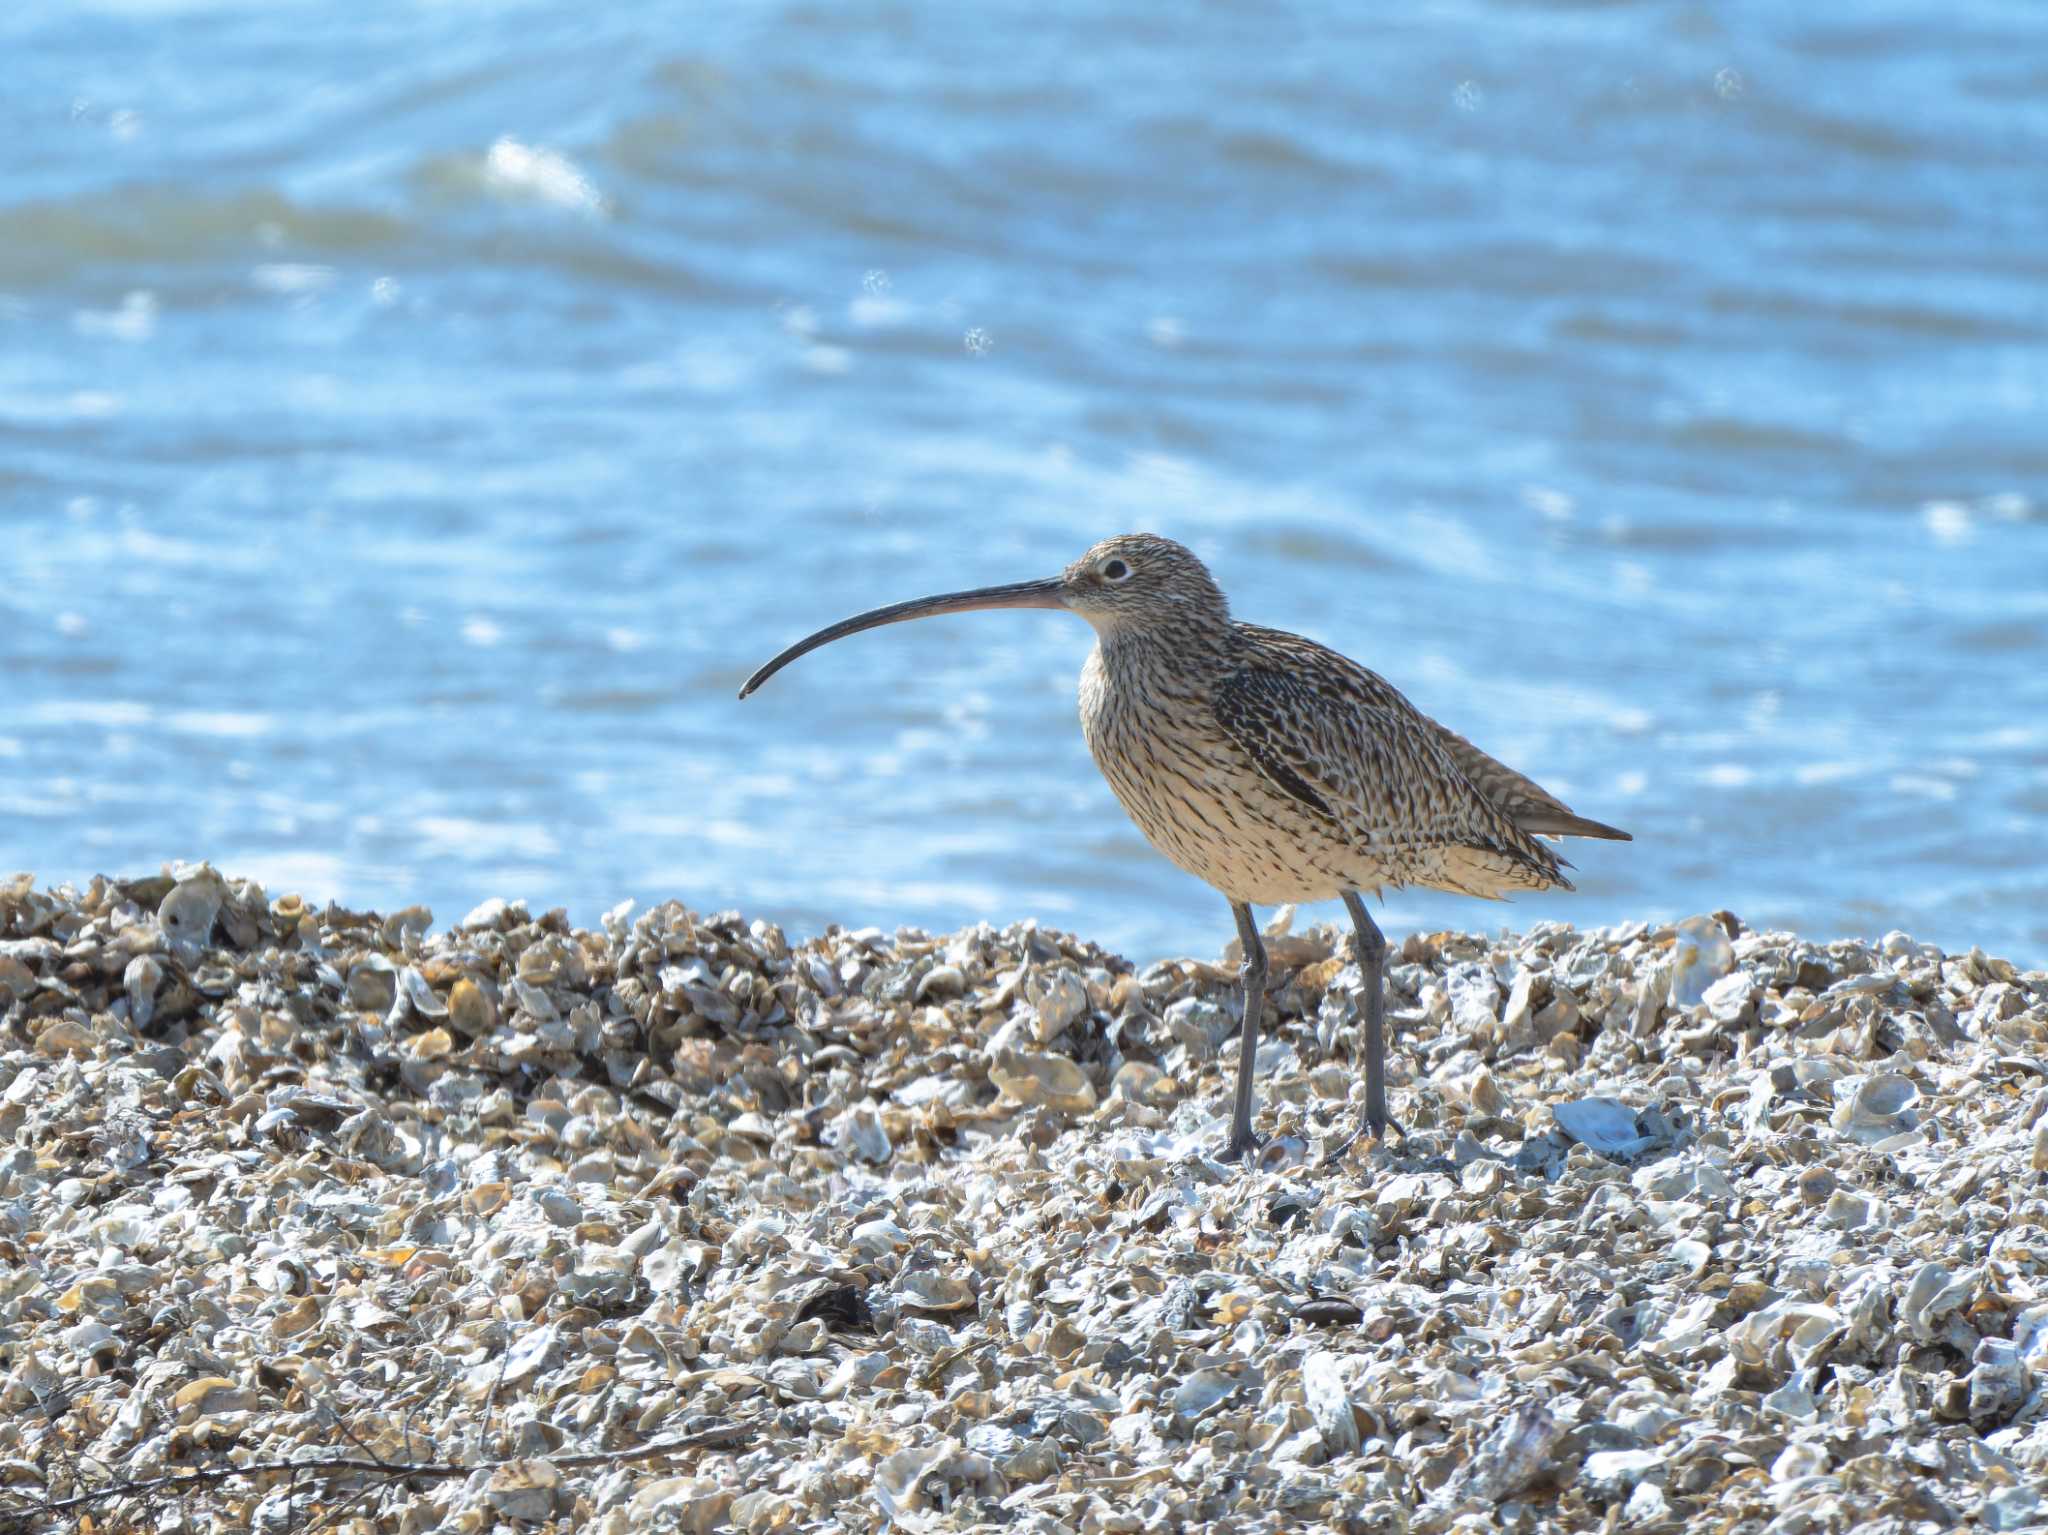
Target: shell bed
[[677, 1225]]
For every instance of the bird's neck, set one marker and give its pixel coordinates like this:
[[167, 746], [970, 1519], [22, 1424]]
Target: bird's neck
[[1186, 650]]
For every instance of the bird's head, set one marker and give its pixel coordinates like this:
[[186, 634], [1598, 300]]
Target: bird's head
[[1144, 581]]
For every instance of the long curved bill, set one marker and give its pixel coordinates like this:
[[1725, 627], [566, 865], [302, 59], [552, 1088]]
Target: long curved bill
[[1022, 594]]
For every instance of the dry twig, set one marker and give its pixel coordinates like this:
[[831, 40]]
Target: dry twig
[[714, 1437]]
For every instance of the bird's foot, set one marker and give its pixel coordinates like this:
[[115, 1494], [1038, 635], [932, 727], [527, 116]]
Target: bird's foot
[[1244, 1146], [1375, 1127]]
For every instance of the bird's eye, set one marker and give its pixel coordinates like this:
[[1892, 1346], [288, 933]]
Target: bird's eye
[[1115, 570]]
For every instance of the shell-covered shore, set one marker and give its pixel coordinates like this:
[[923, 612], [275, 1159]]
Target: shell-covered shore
[[680, 1224]]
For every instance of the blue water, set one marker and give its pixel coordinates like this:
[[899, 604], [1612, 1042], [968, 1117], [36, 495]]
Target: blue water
[[415, 421]]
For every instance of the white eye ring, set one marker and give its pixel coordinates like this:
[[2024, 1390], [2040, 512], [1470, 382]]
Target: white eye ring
[[1114, 569]]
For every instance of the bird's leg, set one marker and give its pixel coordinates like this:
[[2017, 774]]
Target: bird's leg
[[1372, 965], [1242, 1141], [1372, 959]]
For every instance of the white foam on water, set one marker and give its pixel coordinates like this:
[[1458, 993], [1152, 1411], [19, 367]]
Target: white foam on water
[[473, 838], [316, 876], [110, 713], [220, 724], [292, 278], [517, 169], [1923, 786], [1948, 521], [133, 320]]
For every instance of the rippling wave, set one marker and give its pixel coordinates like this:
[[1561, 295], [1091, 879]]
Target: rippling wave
[[414, 425]]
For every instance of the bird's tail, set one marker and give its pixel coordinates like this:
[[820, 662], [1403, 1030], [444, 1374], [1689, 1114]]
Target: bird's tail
[[1544, 822]]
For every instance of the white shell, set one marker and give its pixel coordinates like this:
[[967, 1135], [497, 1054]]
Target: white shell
[[187, 913], [1700, 957], [1605, 1125], [1057, 998], [1326, 1392], [1875, 1109]]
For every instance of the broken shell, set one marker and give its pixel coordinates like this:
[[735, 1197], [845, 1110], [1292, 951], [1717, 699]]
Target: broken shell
[[469, 1011], [1201, 1023], [860, 1131], [696, 1505], [929, 1290], [1998, 1383], [1057, 998], [1701, 956], [941, 982], [1518, 1453], [373, 983], [187, 913], [524, 1490], [1142, 1082], [871, 1239], [1326, 1391], [1605, 1125], [420, 995], [141, 980], [1931, 1295], [899, 1479], [1201, 1394], [1614, 1474], [1053, 1081], [431, 1045], [1875, 1108], [2016, 1507]]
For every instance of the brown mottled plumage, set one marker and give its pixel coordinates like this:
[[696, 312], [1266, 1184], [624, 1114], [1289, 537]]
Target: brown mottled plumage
[[1272, 767]]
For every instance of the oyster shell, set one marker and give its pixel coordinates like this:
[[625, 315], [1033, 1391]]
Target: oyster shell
[[677, 1223]]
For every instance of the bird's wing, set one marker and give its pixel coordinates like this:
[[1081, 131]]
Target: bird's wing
[[1344, 742], [1263, 712], [1414, 764], [1527, 803]]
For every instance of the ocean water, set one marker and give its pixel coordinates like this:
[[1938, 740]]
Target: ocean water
[[416, 420]]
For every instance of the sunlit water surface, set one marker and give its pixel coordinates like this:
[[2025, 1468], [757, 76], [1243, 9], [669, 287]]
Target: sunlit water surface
[[416, 420]]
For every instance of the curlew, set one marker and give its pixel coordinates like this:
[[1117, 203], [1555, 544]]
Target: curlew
[[1271, 767]]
